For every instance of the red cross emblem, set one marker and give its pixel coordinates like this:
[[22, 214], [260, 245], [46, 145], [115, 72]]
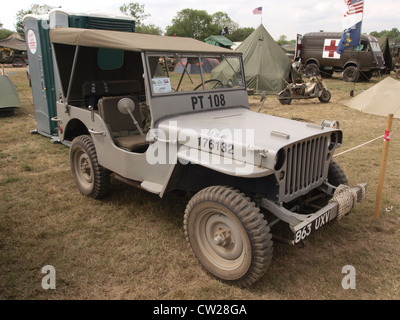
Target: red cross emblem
[[331, 48]]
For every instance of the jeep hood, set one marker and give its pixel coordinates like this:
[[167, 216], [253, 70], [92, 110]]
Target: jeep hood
[[239, 134]]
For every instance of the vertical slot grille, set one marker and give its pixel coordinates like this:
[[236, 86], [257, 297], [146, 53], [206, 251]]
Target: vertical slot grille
[[305, 165]]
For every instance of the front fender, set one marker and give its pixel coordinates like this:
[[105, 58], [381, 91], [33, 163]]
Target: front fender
[[222, 164]]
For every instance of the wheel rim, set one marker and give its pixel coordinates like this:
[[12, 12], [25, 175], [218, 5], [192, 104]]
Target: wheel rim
[[221, 240], [83, 169]]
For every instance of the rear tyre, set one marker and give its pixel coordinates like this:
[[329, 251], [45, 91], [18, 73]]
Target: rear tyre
[[325, 96], [312, 70], [228, 235], [91, 178], [351, 74]]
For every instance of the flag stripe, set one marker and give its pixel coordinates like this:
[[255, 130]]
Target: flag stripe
[[257, 10], [354, 7]]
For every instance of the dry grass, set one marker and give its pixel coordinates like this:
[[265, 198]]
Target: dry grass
[[131, 245]]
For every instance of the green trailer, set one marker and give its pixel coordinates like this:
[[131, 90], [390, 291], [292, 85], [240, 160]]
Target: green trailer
[[41, 63]]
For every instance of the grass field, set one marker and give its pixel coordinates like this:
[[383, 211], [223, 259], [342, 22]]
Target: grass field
[[131, 245]]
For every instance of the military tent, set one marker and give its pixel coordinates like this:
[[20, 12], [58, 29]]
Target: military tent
[[220, 41], [9, 99], [384, 44], [381, 99], [194, 68], [265, 64], [14, 42]]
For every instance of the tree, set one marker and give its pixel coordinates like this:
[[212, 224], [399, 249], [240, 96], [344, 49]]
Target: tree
[[191, 23], [282, 40], [221, 20], [198, 24], [136, 11], [240, 34], [149, 29], [4, 33], [393, 35], [36, 9]]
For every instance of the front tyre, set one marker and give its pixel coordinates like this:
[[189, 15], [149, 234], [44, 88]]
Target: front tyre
[[325, 96], [285, 97], [228, 235], [91, 178], [336, 175]]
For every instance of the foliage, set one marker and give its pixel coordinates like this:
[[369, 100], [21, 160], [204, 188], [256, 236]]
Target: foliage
[[199, 24], [36, 9], [283, 41], [136, 11], [192, 23], [240, 34], [4, 33], [392, 35], [149, 29], [221, 20]]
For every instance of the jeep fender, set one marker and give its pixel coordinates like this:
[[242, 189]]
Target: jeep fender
[[220, 164]]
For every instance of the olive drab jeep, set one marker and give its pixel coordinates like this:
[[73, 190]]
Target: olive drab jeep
[[317, 54], [125, 111]]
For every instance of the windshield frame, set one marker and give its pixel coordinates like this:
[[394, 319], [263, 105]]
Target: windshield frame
[[183, 55], [375, 47]]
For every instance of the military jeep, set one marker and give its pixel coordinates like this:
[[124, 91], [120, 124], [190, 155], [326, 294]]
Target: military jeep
[[124, 112]]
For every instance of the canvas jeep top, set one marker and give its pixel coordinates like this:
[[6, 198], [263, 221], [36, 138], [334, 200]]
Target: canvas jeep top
[[123, 110]]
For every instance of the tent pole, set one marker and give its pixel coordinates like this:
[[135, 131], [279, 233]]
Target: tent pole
[[257, 84], [382, 171]]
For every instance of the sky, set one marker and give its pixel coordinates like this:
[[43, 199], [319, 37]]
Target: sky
[[288, 17]]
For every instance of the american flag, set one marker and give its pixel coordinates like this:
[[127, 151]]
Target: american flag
[[257, 10], [354, 7]]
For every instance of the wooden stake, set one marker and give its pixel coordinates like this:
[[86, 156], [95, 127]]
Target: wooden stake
[[382, 171]]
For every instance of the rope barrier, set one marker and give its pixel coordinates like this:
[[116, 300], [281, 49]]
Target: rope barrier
[[361, 145]]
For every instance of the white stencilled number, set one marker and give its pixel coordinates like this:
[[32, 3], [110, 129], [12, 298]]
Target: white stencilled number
[[303, 233]]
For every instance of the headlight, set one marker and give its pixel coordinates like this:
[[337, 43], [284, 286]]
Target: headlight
[[332, 141], [279, 160]]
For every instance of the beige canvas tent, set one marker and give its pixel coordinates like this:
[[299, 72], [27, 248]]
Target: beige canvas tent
[[381, 99]]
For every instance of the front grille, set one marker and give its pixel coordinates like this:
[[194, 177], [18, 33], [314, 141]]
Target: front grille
[[305, 166]]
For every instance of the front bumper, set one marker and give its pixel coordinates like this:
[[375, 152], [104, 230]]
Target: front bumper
[[343, 200]]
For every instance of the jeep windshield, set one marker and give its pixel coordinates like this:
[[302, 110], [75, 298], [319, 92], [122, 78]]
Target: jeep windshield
[[177, 73]]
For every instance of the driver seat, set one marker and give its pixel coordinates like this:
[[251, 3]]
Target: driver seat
[[121, 126]]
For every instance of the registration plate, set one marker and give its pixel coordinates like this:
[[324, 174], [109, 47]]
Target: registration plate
[[315, 222]]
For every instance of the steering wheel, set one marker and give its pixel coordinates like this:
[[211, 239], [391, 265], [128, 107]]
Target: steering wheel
[[217, 83]]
